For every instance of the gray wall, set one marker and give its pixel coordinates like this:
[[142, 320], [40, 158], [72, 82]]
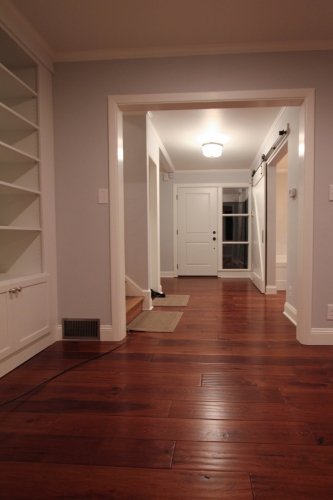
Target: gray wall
[[135, 199], [81, 153], [166, 200]]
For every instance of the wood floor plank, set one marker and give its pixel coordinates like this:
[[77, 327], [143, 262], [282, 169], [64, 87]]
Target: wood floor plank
[[247, 360], [22, 481], [181, 369], [121, 378], [322, 433], [252, 411], [141, 407], [30, 423], [98, 392], [85, 450], [254, 458], [246, 379], [239, 394], [179, 349], [308, 394], [281, 487], [182, 429]]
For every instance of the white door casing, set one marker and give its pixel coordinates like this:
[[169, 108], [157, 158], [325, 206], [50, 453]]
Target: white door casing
[[258, 218], [211, 100], [197, 228]]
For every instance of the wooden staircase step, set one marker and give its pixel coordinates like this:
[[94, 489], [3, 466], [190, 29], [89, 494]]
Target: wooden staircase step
[[133, 308]]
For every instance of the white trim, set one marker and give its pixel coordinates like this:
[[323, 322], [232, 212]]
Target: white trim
[[193, 50], [17, 25], [132, 289], [321, 336], [271, 290], [105, 334], [149, 102], [167, 274], [290, 312], [220, 170], [305, 220], [161, 145], [117, 230], [234, 273], [281, 285], [219, 186]]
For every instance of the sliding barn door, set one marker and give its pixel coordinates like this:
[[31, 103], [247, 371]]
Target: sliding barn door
[[258, 274]]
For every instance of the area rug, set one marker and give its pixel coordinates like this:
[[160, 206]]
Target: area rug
[[172, 300], [151, 321]]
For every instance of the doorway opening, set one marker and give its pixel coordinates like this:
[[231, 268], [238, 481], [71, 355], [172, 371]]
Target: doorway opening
[[298, 97]]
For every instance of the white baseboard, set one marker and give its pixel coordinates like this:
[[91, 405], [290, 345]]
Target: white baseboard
[[234, 274], [132, 289], [281, 285], [105, 333], [290, 312], [167, 274], [271, 290], [321, 336]]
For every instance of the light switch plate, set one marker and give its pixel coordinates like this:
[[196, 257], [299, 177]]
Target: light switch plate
[[103, 196]]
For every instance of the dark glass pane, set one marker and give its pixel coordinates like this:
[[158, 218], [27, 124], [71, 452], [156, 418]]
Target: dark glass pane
[[235, 256], [235, 200], [235, 228]]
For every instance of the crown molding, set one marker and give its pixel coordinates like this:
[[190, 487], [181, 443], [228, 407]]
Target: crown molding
[[193, 50], [25, 34]]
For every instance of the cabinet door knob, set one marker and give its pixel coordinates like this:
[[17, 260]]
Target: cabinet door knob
[[12, 290]]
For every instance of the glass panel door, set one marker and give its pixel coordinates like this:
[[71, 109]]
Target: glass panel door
[[235, 228]]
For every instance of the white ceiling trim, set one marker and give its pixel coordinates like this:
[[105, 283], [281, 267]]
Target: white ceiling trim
[[194, 50], [17, 25]]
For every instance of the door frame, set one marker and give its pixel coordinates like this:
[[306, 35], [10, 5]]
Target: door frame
[[117, 104], [175, 221], [235, 273]]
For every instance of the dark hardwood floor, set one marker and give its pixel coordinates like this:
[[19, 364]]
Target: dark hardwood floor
[[228, 407]]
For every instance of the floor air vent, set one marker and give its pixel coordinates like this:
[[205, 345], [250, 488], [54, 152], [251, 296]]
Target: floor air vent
[[84, 329]]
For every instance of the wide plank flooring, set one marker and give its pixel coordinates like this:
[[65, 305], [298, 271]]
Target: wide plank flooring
[[227, 407]]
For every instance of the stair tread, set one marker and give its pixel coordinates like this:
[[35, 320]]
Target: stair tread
[[132, 302], [133, 308]]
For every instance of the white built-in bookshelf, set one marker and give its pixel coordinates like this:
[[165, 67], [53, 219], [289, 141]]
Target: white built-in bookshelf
[[20, 220]]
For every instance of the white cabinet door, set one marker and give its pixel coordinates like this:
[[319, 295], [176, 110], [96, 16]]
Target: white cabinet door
[[7, 341], [24, 314], [31, 313], [197, 231]]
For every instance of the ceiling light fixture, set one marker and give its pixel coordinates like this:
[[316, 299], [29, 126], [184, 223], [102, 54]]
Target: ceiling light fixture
[[212, 149]]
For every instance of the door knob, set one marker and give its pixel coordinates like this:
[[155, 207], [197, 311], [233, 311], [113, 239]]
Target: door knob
[[214, 238], [214, 232]]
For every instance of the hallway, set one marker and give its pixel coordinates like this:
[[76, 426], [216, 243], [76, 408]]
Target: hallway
[[228, 407]]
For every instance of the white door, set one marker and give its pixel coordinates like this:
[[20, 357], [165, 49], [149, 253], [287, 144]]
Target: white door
[[197, 231], [258, 274]]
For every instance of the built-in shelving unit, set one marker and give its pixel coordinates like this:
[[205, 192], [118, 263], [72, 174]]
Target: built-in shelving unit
[[20, 196]]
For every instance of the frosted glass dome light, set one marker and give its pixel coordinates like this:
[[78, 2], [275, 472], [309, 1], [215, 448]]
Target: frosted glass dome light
[[212, 149]]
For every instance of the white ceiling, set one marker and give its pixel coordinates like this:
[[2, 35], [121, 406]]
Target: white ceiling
[[241, 131], [80, 29]]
